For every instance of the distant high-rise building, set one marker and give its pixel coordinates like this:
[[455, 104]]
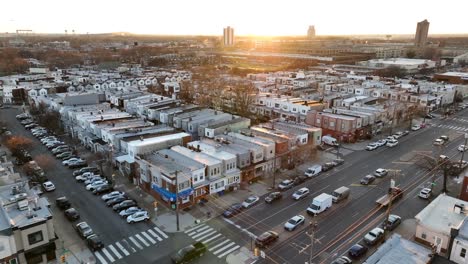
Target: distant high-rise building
[[421, 33], [228, 36], [311, 32]]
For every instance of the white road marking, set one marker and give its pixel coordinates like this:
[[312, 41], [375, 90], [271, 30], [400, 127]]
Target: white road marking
[[108, 255], [149, 238], [135, 242], [202, 233], [101, 258], [198, 230], [160, 232], [220, 244], [126, 253], [211, 238], [112, 248], [205, 236], [193, 228], [154, 234], [142, 240], [229, 251], [224, 248], [126, 242]]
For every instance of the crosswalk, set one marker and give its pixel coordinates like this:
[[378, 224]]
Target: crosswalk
[[459, 119], [130, 245], [454, 127], [217, 243]]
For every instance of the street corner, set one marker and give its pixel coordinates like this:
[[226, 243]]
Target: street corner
[[407, 228], [168, 221], [241, 256]]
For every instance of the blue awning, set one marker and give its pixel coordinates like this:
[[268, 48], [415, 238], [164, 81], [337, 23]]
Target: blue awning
[[169, 195]]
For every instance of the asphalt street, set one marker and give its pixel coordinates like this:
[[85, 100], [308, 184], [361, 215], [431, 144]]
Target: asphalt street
[[347, 222]]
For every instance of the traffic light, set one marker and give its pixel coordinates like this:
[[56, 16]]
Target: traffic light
[[62, 259], [256, 252]]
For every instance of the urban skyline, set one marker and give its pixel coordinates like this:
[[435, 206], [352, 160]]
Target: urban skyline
[[206, 17]]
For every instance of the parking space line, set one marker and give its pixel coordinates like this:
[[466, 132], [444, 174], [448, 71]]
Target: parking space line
[[135, 242], [193, 228], [206, 235], [142, 240], [223, 248], [220, 244], [160, 232], [108, 255], [112, 248], [149, 238], [229, 251], [100, 258], [154, 234], [126, 253], [202, 233], [211, 238]]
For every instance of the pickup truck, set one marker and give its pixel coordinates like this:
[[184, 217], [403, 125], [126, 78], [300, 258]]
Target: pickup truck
[[189, 253], [395, 192]]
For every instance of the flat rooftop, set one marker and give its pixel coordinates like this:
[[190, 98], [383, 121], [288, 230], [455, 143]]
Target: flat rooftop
[[157, 139], [197, 156]]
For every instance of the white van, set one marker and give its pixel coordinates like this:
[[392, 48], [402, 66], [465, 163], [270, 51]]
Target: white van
[[313, 171], [320, 204]]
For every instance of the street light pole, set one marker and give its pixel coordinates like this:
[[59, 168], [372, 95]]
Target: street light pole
[[313, 226]]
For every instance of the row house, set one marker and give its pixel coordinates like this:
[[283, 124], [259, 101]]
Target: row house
[[191, 123], [118, 137], [166, 116], [344, 128], [221, 171], [219, 127], [149, 143]]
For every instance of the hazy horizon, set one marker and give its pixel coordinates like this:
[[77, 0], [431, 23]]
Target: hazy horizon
[[248, 18]]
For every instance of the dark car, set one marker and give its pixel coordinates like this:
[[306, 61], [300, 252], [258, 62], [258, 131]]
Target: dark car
[[124, 205], [103, 189], [300, 179], [271, 197], [78, 164], [233, 210], [85, 169], [62, 203], [116, 200], [72, 214], [94, 242], [266, 238], [328, 166], [189, 253], [392, 223], [368, 179], [338, 162], [83, 229], [342, 260], [357, 250]]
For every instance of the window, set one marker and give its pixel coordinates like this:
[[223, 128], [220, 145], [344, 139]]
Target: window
[[423, 236], [35, 237], [463, 253]]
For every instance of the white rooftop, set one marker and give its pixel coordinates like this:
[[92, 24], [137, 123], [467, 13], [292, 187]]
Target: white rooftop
[[456, 74], [156, 140], [197, 156]]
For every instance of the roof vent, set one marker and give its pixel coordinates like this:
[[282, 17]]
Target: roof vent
[[459, 208]]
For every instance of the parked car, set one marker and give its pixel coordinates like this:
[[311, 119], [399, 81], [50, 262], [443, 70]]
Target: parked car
[[129, 211], [189, 253], [102, 189], [62, 203], [61, 149], [48, 186], [70, 161], [112, 195], [86, 169], [271, 197], [415, 127], [368, 179], [392, 143], [381, 143], [94, 185], [372, 146], [72, 214], [92, 179], [301, 193], [398, 135], [83, 229], [294, 222], [438, 142], [116, 200], [338, 162], [374, 236], [299, 179], [328, 166], [78, 164], [342, 260], [285, 185], [63, 154], [266, 239], [124, 205], [138, 217], [380, 172], [462, 148], [233, 210], [392, 223], [250, 201], [94, 242], [313, 171], [357, 251], [84, 178], [70, 156], [425, 193]]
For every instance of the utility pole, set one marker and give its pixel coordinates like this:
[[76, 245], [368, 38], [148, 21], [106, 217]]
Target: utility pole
[[390, 203], [177, 201], [463, 152], [313, 227]]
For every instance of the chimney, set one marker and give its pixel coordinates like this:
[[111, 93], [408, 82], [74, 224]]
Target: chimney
[[141, 138], [198, 148]]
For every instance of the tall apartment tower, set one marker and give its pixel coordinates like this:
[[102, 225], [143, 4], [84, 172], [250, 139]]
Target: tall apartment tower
[[228, 36], [311, 32], [421, 33]]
